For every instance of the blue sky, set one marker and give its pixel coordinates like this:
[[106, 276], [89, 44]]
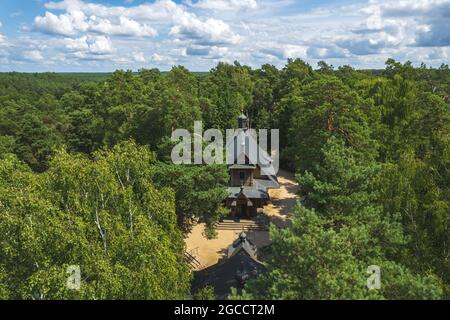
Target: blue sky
[[104, 35]]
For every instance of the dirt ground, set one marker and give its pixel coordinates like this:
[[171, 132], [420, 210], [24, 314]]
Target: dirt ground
[[283, 200], [209, 252]]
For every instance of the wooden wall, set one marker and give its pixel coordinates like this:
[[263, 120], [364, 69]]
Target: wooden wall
[[235, 177]]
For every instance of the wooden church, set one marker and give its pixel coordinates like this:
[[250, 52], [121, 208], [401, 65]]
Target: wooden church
[[250, 179]]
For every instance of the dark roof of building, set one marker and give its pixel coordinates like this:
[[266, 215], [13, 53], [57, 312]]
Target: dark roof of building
[[270, 183], [257, 191], [249, 192], [232, 271], [242, 243], [242, 166]]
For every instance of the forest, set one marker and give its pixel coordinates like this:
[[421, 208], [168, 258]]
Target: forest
[[86, 179]]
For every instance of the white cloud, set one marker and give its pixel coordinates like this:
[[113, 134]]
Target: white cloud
[[154, 11], [76, 21], [81, 17], [65, 24], [284, 51], [100, 45], [410, 22], [163, 60], [124, 27], [64, 5], [157, 58], [226, 4], [199, 33], [82, 22], [209, 32], [33, 55], [79, 44], [97, 45], [2, 40], [139, 57], [326, 52]]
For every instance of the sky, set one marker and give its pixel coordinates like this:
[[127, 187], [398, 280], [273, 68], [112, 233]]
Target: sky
[[105, 35]]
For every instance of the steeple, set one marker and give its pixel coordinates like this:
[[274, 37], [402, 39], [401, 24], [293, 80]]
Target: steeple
[[243, 121]]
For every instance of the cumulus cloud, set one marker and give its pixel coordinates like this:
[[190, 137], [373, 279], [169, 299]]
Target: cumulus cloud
[[199, 33], [65, 24], [162, 59], [284, 51], [100, 45], [219, 53], [2, 37], [154, 11], [209, 32], [2, 40], [157, 58], [81, 17], [226, 4], [139, 57], [421, 23], [80, 22], [33, 55], [210, 53], [97, 45], [326, 52], [124, 27], [76, 21]]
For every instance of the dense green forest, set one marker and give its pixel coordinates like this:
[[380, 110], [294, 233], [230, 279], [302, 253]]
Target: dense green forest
[[85, 179]]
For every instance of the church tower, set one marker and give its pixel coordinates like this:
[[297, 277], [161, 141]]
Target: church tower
[[243, 122]]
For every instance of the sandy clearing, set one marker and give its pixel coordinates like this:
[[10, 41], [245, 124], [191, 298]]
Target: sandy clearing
[[209, 252], [283, 200]]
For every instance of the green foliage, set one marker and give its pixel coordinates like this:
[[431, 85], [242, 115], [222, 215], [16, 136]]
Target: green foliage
[[228, 90], [326, 108], [372, 162], [199, 191], [314, 261], [326, 253], [104, 216], [370, 148], [319, 259], [206, 293], [340, 185]]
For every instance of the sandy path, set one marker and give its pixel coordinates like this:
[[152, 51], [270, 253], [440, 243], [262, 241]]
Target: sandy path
[[283, 200], [209, 252]]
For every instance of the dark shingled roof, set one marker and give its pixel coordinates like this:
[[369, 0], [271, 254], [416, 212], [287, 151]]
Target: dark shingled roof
[[257, 191], [249, 192], [242, 166], [239, 266], [271, 183], [242, 243]]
